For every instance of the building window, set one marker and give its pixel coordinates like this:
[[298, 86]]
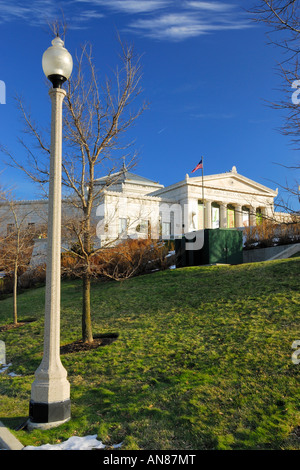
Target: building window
[[215, 215], [259, 216], [246, 216], [142, 227], [166, 230], [10, 228], [122, 225]]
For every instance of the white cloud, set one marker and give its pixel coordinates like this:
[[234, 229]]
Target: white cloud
[[10, 12], [40, 12], [210, 6], [171, 20], [130, 6], [169, 26], [90, 15], [183, 25]]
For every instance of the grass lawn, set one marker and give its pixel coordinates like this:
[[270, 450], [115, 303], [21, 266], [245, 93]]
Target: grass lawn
[[202, 360]]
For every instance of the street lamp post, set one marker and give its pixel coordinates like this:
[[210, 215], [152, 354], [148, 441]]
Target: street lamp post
[[50, 403]]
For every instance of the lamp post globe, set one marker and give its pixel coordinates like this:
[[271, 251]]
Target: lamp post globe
[[50, 403], [57, 63]]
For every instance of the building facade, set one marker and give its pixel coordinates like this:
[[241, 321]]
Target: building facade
[[224, 200], [136, 207]]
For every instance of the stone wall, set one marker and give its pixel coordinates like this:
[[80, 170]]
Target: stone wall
[[272, 252]]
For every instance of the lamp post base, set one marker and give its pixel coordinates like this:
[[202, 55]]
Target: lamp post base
[[48, 415], [44, 426]]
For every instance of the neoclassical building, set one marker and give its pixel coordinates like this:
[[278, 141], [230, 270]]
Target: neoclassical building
[[137, 207], [224, 200]]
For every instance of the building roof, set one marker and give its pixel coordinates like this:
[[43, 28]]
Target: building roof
[[125, 176]]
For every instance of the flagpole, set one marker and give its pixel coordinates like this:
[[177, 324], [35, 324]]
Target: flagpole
[[200, 165], [202, 183], [204, 209]]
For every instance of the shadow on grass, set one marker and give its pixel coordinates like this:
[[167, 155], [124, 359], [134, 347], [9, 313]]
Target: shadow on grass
[[11, 326], [99, 340]]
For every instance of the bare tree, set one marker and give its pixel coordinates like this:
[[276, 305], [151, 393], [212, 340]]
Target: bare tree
[[96, 118], [16, 243], [282, 18]]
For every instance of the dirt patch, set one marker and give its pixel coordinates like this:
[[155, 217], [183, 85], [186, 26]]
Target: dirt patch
[[11, 326], [99, 340], [296, 432]]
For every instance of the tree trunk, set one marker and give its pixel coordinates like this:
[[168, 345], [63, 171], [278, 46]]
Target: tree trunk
[[15, 311], [87, 334]]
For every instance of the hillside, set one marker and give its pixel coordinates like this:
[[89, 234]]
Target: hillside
[[201, 359]]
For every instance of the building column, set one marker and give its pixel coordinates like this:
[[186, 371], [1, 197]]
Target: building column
[[269, 212], [252, 219], [223, 215], [238, 216], [207, 214]]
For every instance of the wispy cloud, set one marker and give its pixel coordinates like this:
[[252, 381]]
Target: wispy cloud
[[210, 6], [170, 20], [168, 26], [183, 25], [130, 6], [36, 12], [41, 12], [15, 11], [190, 19]]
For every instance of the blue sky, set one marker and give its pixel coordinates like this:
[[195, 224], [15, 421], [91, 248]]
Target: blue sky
[[206, 73]]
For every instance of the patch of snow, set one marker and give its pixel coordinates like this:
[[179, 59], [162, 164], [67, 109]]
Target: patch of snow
[[74, 443], [4, 369]]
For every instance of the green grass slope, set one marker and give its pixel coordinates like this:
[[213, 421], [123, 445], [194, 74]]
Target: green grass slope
[[202, 360]]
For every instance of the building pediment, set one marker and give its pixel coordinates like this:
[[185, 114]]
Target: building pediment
[[228, 182], [232, 181]]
